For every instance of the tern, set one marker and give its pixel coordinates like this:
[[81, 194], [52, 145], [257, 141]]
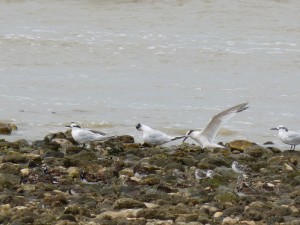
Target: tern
[[83, 136], [206, 137], [288, 137], [240, 169], [200, 174], [155, 137]]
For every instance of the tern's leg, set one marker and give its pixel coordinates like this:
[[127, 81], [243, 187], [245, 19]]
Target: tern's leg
[[83, 145]]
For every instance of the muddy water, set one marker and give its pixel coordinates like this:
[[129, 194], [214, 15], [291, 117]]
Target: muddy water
[[168, 64]]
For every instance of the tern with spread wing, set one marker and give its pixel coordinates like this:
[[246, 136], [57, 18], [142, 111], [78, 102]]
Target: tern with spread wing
[[155, 137], [206, 137]]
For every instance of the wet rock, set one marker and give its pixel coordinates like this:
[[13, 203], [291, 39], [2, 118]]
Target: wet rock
[[187, 218], [20, 143], [156, 213], [73, 150], [256, 211], [10, 168], [128, 203], [240, 145], [125, 213], [124, 139], [77, 210], [7, 128], [48, 138], [225, 197], [62, 142], [257, 151], [216, 161], [68, 217], [230, 221], [54, 154]]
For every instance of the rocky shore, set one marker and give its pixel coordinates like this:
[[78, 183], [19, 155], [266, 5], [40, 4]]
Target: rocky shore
[[54, 181]]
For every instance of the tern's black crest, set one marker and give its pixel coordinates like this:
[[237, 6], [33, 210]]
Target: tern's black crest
[[138, 126], [283, 128]]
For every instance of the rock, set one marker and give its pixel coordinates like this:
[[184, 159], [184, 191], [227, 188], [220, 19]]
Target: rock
[[16, 157], [20, 143], [124, 213], [125, 139], [156, 213], [230, 221], [73, 150], [10, 168], [54, 154], [128, 203], [77, 210], [218, 214], [187, 218], [25, 172], [240, 145], [7, 128], [73, 172], [61, 141], [6, 210], [258, 151], [247, 222], [68, 217], [287, 167], [215, 160], [225, 197]]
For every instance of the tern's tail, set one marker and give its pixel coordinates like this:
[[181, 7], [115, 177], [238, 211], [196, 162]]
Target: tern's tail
[[175, 138]]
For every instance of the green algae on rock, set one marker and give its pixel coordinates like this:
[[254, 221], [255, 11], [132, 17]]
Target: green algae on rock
[[168, 194]]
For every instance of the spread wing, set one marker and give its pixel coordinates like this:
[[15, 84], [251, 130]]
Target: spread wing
[[214, 125]]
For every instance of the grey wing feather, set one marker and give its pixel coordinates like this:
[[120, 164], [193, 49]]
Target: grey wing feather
[[294, 137], [97, 132], [214, 125]]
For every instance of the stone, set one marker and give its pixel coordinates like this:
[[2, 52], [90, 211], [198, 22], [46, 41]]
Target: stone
[[230, 221], [7, 128], [240, 145], [287, 167], [225, 197], [218, 214], [68, 217], [128, 203], [258, 151]]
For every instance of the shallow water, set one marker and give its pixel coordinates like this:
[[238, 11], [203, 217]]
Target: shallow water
[[168, 64]]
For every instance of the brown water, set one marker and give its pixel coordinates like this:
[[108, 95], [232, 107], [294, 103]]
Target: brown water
[[168, 64]]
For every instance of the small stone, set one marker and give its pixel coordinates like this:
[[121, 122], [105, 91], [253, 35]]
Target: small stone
[[73, 172], [25, 172], [225, 197], [240, 145], [6, 210], [68, 217], [229, 221], [218, 214], [287, 167], [128, 203], [247, 222], [7, 128], [187, 218], [294, 210]]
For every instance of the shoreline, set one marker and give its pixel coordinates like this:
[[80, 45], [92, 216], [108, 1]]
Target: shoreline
[[145, 185]]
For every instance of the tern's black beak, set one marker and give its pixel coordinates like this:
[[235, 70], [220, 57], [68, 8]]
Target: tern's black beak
[[275, 128], [68, 126], [186, 137]]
